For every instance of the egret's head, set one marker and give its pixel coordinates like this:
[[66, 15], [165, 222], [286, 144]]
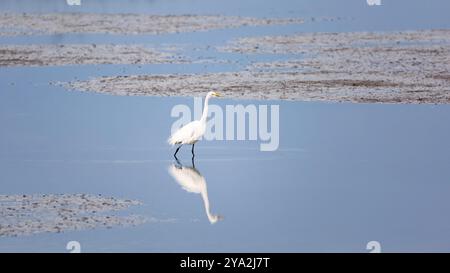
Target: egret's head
[[215, 94]]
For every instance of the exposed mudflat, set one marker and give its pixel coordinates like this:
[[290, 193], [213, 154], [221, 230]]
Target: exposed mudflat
[[72, 54], [270, 85], [389, 67], [37, 24], [31, 214], [307, 42]]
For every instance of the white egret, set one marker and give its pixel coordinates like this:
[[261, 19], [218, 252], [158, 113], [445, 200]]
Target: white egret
[[190, 179], [194, 130]]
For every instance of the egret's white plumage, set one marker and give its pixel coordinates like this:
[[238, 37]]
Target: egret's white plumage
[[194, 130], [189, 133], [191, 180]]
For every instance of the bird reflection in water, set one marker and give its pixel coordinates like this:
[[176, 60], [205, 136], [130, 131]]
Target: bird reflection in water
[[191, 180]]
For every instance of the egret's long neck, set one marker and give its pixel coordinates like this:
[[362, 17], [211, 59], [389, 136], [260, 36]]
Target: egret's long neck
[[205, 110]]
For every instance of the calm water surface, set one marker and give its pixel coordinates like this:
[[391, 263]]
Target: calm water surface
[[344, 174]]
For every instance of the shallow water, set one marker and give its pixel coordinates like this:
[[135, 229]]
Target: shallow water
[[344, 174]]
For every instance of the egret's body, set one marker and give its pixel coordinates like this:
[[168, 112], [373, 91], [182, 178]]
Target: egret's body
[[194, 130], [189, 133]]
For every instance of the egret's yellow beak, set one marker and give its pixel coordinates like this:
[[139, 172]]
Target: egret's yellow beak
[[217, 94]]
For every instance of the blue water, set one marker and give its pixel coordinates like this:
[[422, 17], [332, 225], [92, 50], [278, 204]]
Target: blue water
[[344, 174]]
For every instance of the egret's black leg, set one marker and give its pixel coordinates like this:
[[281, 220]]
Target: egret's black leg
[[193, 150], [193, 161], [175, 154]]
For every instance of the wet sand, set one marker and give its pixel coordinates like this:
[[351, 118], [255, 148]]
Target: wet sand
[[388, 67], [307, 42], [31, 214], [72, 54], [39, 24]]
